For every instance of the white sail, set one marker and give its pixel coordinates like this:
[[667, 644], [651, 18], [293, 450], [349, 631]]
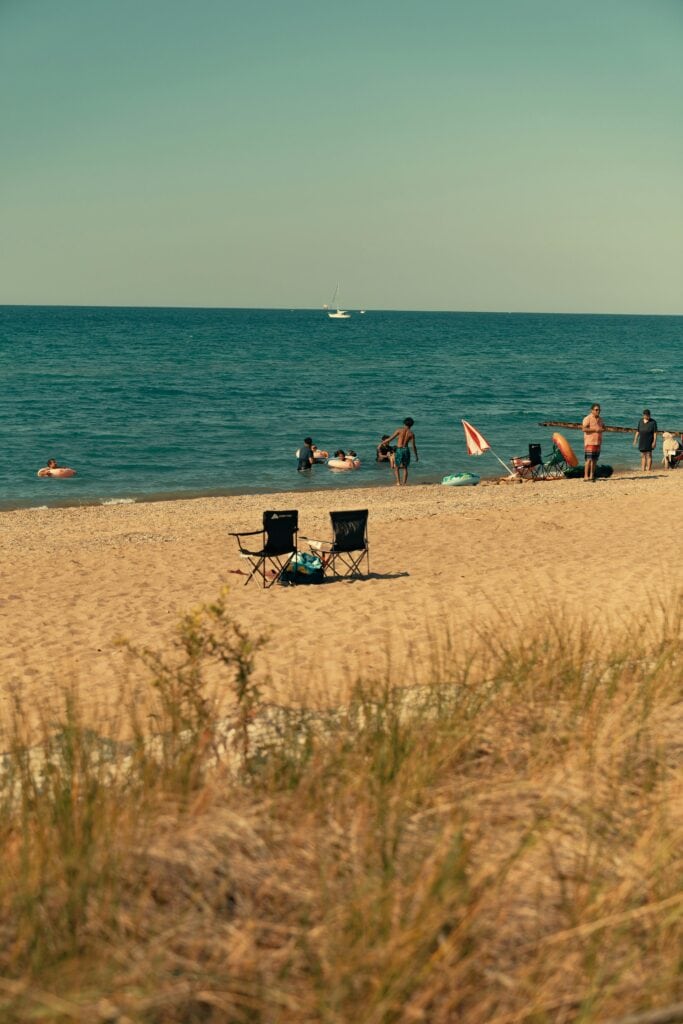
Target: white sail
[[341, 314]]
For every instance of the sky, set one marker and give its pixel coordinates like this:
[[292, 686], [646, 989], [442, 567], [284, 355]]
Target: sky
[[512, 155]]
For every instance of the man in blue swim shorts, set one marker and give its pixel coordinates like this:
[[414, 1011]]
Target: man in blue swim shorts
[[404, 437]]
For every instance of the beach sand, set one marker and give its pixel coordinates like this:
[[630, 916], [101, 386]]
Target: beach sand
[[442, 559]]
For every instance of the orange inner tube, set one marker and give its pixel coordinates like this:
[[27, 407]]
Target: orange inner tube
[[565, 449]]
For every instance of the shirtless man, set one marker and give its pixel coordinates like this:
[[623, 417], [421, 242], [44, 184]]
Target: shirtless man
[[52, 469], [404, 436], [593, 428]]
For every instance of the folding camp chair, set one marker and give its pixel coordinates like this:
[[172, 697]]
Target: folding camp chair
[[529, 467], [343, 555], [554, 468], [278, 546]]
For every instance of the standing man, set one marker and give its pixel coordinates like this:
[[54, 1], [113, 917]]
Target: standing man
[[593, 428], [404, 437], [646, 439], [305, 455]]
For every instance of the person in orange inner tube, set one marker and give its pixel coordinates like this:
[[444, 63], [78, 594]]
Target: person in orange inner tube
[[52, 469]]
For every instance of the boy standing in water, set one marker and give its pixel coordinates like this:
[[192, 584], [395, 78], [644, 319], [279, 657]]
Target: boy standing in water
[[404, 436]]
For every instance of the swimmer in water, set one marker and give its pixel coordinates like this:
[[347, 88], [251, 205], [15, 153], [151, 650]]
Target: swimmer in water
[[52, 469]]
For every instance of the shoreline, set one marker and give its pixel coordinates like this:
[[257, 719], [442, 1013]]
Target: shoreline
[[154, 497]]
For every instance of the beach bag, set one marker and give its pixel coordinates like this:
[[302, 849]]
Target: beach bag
[[576, 472], [303, 568]]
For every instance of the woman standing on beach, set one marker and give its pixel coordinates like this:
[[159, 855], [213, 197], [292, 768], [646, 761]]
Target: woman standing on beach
[[646, 439]]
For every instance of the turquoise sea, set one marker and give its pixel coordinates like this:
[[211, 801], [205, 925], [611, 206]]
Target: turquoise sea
[[178, 402]]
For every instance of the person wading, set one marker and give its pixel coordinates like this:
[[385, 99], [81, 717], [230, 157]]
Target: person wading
[[404, 436]]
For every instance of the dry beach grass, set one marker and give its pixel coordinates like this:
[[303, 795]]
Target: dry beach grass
[[471, 809]]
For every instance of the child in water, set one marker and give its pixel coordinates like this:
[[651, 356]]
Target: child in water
[[385, 452]]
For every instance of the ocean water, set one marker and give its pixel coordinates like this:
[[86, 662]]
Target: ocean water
[[180, 402]]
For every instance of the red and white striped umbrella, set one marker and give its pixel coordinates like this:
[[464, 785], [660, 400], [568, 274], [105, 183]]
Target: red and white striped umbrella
[[477, 444]]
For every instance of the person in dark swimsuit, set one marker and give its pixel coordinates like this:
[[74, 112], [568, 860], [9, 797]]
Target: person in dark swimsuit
[[385, 452], [305, 455], [646, 439]]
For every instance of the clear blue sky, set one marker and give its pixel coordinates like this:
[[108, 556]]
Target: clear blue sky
[[429, 154]]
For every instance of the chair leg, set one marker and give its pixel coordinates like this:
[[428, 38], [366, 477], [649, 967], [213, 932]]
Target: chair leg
[[351, 563], [259, 569], [282, 567], [255, 568]]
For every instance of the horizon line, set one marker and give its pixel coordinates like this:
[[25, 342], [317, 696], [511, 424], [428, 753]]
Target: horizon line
[[322, 309]]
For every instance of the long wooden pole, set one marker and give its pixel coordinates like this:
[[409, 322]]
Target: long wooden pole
[[607, 430]]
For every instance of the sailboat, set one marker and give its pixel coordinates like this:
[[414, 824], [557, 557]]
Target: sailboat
[[340, 314]]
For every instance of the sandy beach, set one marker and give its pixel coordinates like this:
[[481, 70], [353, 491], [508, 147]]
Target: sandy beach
[[76, 579]]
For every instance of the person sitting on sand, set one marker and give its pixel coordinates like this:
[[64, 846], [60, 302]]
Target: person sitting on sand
[[385, 452], [404, 437], [52, 469]]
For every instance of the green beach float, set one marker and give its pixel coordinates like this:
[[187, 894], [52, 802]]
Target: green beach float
[[460, 480]]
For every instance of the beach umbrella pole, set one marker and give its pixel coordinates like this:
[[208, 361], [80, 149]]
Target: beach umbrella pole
[[477, 444], [506, 468]]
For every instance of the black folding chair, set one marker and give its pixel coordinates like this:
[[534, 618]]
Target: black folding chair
[[343, 555], [277, 549], [529, 467]]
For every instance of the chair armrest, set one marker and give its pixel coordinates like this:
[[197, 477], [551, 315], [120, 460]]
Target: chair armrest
[[318, 545], [245, 533]]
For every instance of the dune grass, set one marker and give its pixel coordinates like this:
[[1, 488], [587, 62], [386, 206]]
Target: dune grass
[[501, 845]]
